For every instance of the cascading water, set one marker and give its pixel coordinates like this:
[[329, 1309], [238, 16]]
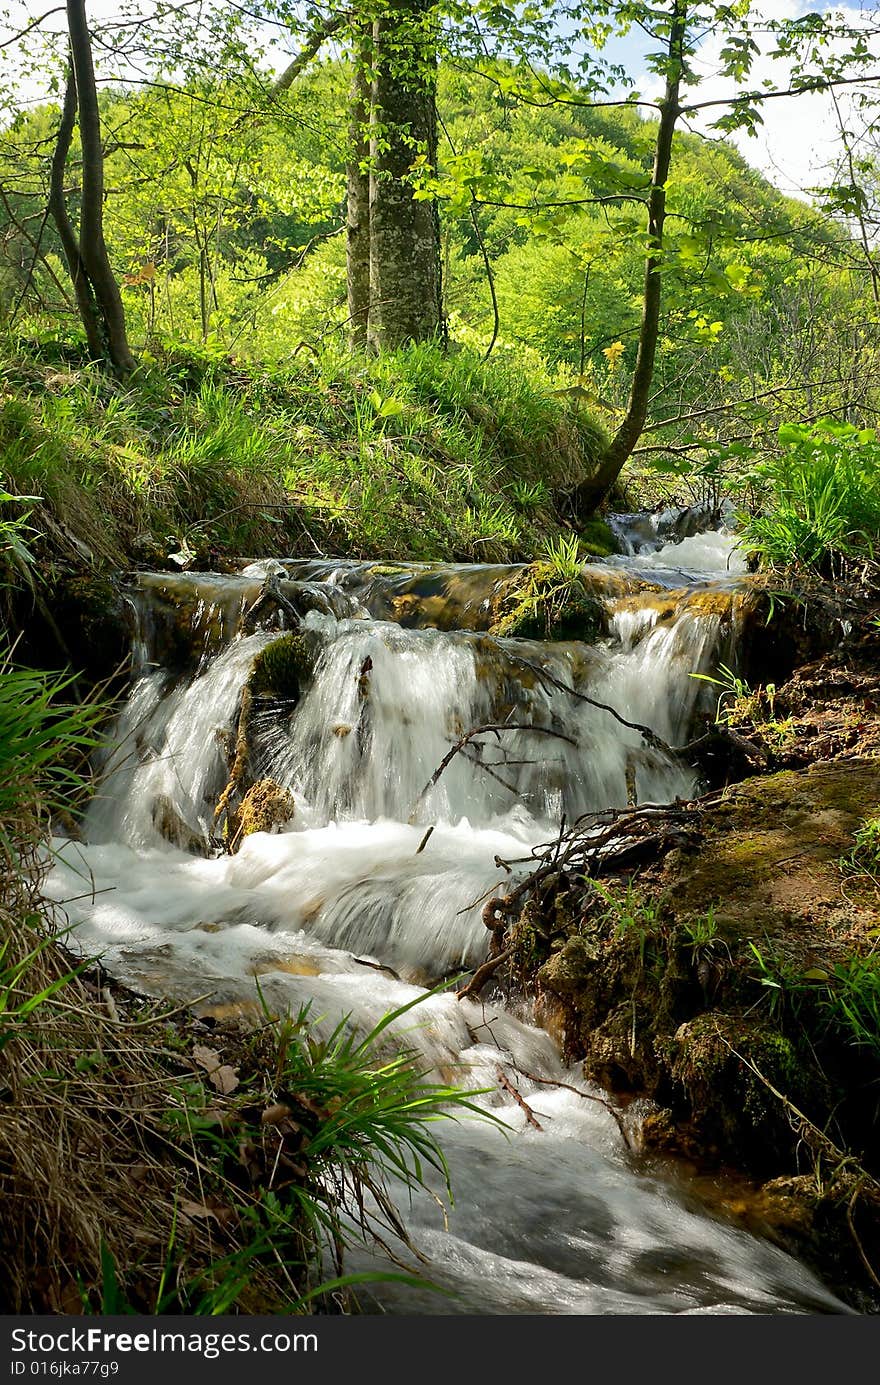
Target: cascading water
[[549, 1221]]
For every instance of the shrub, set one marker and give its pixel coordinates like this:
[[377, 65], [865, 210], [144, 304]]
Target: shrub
[[821, 495]]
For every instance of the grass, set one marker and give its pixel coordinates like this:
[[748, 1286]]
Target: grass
[[864, 858], [417, 455], [820, 499], [843, 1000]]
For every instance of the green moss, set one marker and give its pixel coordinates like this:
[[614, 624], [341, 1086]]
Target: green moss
[[284, 667], [597, 538], [541, 606]]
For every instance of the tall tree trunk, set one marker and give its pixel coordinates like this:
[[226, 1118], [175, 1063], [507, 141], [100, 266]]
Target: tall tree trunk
[[405, 291], [358, 192], [590, 493], [85, 299], [97, 292]]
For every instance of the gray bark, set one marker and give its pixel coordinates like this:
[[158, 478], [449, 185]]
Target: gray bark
[[405, 290]]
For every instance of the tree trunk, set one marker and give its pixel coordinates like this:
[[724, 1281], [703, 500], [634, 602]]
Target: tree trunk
[[97, 292], [358, 193], [404, 244], [590, 493], [82, 287]]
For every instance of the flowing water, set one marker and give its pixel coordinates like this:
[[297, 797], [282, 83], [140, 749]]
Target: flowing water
[[561, 1220]]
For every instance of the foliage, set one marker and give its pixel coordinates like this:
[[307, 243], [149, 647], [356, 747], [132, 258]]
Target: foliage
[[420, 454], [737, 700], [44, 742], [223, 227], [338, 1119], [562, 556], [843, 998], [864, 858], [821, 497]]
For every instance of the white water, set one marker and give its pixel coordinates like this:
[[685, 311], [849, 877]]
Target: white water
[[545, 1222]]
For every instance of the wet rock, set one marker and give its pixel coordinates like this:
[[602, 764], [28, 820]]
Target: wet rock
[[266, 807], [284, 668], [833, 1223], [174, 829], [567, 970], [94, 623]]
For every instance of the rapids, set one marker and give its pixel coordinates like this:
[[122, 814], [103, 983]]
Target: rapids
[[561, 1220]]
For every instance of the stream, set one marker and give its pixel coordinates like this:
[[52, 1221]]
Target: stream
[[552, 1221]]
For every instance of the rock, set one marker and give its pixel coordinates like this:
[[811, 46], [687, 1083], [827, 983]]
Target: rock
[[284, 668], [172, 827], [568, 968], [543, 606], [266, 807]]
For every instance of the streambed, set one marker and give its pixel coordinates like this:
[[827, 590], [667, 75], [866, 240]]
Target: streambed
[[557, 1220]]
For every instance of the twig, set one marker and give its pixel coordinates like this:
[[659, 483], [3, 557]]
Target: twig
[[650, 736], [852, 1230], [508, 1086], [493, 729], [587, 1096]]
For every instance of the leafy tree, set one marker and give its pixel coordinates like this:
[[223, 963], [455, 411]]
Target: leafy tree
[[97, 291]]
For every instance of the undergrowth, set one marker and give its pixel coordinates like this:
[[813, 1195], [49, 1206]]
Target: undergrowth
[[820, 499], [418, 454]]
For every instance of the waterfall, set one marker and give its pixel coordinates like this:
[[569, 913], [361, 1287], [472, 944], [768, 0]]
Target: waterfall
[[373, 889]]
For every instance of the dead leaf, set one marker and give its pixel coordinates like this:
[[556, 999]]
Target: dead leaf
[[274, 1115], [221, 1076], [200, 1211], [224, 1078], [207, 1058]]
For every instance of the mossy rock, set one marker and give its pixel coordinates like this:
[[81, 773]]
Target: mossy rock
[[727, 1067], [567, 970], [598, 539], [543, 606], [175, 830], [285, 667], [266, 807], [94, 621]]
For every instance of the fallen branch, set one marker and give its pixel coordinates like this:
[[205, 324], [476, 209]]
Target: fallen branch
[[270, 595], [466, 739], [718, 735], [587, 1096], [655, 741], [505, 1082]]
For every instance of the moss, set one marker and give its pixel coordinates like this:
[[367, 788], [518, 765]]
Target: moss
[[265, 808], [542, 606], [727, 1067], [93, 621], [598, 538], [283, 668], [571, 966]]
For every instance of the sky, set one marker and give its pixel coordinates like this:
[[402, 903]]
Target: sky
[[795, 148], [799, 140]]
